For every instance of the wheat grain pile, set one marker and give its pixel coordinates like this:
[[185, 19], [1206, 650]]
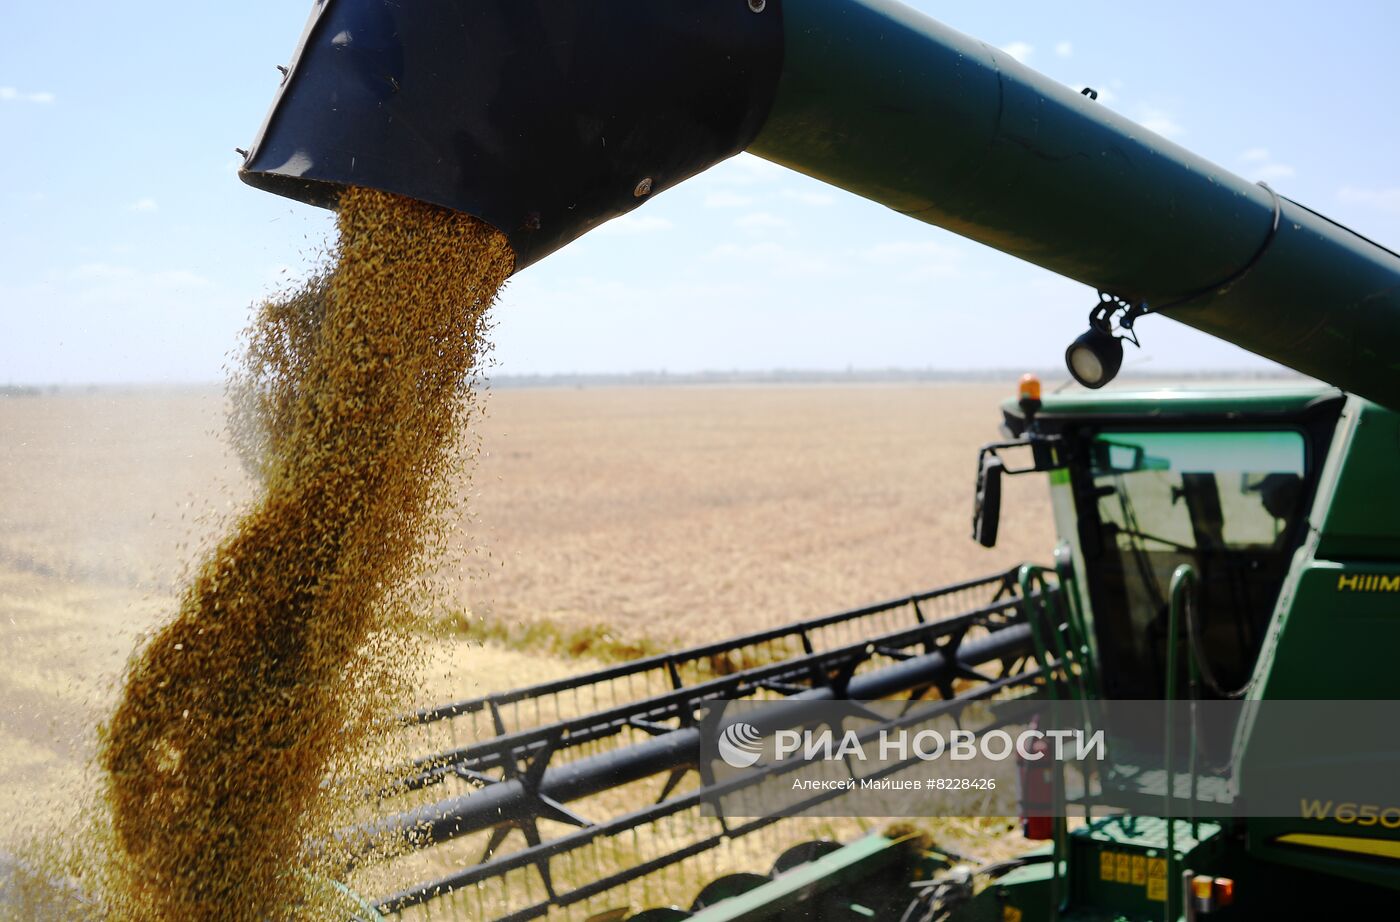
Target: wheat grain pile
[[288, 641]]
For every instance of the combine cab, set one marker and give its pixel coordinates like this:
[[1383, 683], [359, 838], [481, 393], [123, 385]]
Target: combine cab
[[1230, 545]]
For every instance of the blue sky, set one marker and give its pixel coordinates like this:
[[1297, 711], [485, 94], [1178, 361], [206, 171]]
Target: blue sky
[[129, 251]]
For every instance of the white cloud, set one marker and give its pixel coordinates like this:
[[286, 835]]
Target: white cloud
[[777, 259], [1021, 51], [808, 197], [1381, 199], [107, 281], [1274, 171], [12, 94], [724, 198], [1260, 164], [915, 258], [761, 220], [630, 224], [1161, 122], [1064, 49], [145, 205]]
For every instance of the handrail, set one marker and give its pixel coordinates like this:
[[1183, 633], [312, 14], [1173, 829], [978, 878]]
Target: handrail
[[1025, 577], [1075, 619], [1181, 595]]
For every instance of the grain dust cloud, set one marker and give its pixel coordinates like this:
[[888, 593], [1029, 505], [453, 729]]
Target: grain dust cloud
[[247, 721]]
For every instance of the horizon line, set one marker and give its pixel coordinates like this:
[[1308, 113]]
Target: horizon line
[[663, 377]]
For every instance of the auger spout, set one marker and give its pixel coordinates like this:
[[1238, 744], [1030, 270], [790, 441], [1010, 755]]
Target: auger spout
[[544, 118]]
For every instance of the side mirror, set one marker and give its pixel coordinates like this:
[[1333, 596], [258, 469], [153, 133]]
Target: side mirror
[[986, 513], [1110, 457]]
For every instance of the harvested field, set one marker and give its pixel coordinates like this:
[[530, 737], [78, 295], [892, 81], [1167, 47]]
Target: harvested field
[[608, 518], [683, 514]]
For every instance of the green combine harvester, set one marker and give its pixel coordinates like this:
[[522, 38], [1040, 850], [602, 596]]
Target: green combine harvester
[[1215, 546]]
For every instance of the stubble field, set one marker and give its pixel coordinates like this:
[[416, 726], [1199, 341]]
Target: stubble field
[[602, 521]]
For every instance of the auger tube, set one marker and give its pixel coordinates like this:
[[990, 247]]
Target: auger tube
[[887, 103], [548, 117]]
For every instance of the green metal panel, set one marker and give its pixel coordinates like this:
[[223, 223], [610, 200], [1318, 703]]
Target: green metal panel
[[1361, 520], [1337, 622], [1338, 627], [1338, 637], [895, 107]]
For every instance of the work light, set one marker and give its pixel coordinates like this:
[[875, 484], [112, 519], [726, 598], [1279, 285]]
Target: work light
[[1094, 358]]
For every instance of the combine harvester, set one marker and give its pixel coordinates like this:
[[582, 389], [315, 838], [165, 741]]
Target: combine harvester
[[1214, 545]]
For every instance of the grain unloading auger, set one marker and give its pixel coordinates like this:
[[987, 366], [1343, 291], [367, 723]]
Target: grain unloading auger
[[1213, 545], [547, 118]]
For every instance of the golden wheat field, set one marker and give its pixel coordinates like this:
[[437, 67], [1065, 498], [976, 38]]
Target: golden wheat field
[[601, 521]]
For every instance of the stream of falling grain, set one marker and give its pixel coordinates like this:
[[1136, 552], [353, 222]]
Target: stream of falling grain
[[286, 642]]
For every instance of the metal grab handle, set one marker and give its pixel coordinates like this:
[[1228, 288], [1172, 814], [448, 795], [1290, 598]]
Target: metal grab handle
[[1183, 584]]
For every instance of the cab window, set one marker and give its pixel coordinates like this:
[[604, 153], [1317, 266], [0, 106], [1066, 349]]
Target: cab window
[[1229, 502]]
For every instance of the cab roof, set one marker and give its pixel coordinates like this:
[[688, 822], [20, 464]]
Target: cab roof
[[1182, 400]]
